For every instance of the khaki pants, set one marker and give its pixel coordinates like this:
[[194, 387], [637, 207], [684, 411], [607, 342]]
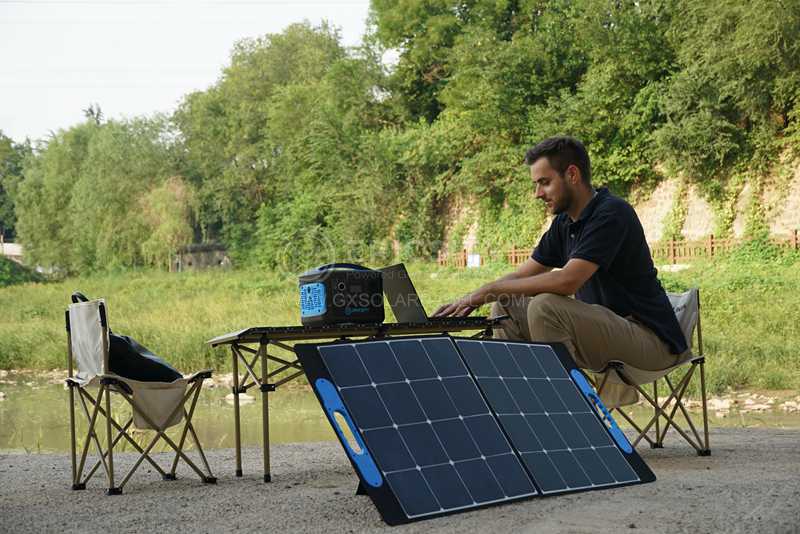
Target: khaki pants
[[592, 334]]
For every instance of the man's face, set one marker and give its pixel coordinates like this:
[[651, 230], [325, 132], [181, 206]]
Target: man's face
[[550, 186]]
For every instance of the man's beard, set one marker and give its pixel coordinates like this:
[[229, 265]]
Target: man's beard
[[564, 204]]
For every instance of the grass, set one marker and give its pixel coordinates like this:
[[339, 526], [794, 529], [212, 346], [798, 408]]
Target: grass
[[749, 312]]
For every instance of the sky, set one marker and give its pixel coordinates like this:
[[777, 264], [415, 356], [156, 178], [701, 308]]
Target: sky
[[132, 57]]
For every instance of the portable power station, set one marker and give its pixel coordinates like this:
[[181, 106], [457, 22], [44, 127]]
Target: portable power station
[[340, 293]]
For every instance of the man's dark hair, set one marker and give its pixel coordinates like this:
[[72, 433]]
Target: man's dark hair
[[562, 151]]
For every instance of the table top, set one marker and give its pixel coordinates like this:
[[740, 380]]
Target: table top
[[289, 333]]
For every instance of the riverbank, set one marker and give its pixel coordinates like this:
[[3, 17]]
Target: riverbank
[[750, 483]]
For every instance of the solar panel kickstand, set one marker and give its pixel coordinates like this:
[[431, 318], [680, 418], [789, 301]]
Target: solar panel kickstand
[[360, 490]]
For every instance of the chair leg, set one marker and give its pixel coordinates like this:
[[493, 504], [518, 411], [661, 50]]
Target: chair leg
[[706, 451], [72, 446], [679, 404], [210, 479], [187, 427], [681, 387], [641, 435], [659, 443], [160, 434], [112, 490], [92, 419]]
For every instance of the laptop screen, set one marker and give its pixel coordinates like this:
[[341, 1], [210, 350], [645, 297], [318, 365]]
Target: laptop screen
[[402, 296]]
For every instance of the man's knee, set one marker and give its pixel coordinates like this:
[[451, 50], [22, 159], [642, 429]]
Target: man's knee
[[544, 305], [497, 310]]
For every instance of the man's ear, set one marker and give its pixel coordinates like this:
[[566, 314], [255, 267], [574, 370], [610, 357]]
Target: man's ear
[[574, 174]]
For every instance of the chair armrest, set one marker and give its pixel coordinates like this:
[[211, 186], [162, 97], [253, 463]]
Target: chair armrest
[[113, 380], [199, 375], [74, 382]]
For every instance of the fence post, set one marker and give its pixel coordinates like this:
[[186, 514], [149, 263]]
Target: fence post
[[794, 239], [711, 245], [672, 251], [513, 258]]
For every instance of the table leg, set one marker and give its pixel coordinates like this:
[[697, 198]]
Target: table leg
[[262, 353], [237, 437]]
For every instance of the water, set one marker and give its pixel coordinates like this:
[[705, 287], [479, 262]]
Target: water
[[34, 417]]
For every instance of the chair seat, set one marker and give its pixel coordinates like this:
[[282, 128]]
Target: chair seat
[[640, 376]]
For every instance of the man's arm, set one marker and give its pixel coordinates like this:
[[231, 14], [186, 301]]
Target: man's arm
[[530, 267], [563, 282]]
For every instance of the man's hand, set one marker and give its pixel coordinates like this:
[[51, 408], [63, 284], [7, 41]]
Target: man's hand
[[458, 308]]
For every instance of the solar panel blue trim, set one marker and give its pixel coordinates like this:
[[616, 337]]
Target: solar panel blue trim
[[430, 432], [548, 418], [333, 405]]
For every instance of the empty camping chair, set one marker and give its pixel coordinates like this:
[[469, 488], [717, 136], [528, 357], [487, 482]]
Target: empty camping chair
[[154, 405], [687, 309]]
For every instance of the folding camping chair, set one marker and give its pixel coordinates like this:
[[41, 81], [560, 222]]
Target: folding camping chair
[[154, 405], [687, 309]]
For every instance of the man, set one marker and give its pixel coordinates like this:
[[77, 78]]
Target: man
[[620, 310]]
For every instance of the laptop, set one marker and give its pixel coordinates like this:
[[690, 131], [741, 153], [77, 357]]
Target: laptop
[[406, 304]]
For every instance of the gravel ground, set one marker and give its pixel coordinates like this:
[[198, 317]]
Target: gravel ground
[[751, 483]]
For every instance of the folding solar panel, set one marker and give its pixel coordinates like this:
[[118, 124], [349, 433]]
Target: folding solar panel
[[435, 425]]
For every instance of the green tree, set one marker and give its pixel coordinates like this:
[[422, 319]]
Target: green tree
[[12, 156], [737, 84]]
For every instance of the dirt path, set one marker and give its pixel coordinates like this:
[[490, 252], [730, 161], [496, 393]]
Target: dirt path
[[751, 483]]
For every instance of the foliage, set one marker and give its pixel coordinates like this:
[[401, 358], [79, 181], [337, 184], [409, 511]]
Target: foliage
[[12, 156], [80, 204], [306, 151], [737, 84], [12, 273], [676, 218]]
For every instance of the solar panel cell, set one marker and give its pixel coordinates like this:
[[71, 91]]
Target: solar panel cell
[[573, 436], [380, 362], [389, 449], [520, 433], [487, 434], [594, 466], [569, 469], [569, 395], [616, 464], [544, 472], [413, 359], [526, 360], [447, 486], [413, 493], [550, 363], [523, 395], [465, 395], [432, 395], [365, 407], [498, 396], [456, 439], [423, 444], [345, 368], [546, 433], [545, 392], [502, 360], [444, 357], [476, 358], [510, 475], [480, 481], [593, 430], [401, 403]]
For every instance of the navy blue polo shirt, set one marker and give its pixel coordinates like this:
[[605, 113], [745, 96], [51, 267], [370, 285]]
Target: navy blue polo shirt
[[609, 234]]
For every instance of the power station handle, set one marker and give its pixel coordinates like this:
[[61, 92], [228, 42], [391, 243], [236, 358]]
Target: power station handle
[[343, 266]]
